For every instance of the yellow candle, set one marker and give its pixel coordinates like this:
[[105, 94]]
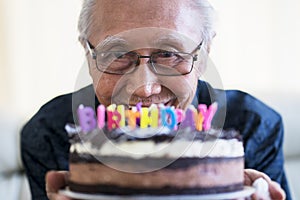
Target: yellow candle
[[121, 110], [149, 117], [154, 116], [145, 119]]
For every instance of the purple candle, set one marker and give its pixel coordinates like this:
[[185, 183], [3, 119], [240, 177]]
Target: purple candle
[[189, 119], [86, 117]]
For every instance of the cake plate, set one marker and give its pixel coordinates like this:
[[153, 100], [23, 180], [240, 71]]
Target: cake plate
[[246, 192]]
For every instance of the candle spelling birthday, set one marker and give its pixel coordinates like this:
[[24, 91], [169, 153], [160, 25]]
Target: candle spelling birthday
[[116, 116]]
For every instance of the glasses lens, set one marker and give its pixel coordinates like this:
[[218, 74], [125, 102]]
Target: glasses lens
[[116, 62], [172, 63]]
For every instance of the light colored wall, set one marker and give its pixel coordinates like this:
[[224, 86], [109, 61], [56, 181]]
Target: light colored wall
[[257, 46], [3, 59], [42, 53]]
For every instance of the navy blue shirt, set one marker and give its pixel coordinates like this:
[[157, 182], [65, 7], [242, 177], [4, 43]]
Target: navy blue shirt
[[45, 145]]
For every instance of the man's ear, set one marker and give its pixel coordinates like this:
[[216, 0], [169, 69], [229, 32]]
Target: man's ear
[[82, 41], [88, 58]]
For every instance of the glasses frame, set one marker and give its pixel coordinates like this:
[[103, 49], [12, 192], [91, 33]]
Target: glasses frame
[[93, 54]]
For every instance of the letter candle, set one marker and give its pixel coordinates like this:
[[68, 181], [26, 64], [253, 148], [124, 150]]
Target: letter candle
[[149, 117], [101, 116], [208, 114], [121, 110], [189, 119], [168, 117], [113, 119], [145, 119], [154, 116], [86, 117], [132, 115]]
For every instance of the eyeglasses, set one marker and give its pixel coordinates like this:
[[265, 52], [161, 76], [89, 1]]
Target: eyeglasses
[[165, 63]]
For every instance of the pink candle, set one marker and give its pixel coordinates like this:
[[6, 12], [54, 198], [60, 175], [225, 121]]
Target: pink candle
[[113, 119], [208, 114], [179, 114], [101, 116]]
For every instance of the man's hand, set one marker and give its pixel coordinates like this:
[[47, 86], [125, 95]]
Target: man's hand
[[276, 192], [56, 180]]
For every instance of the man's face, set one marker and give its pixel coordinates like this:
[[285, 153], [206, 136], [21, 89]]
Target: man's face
[[146, 26]]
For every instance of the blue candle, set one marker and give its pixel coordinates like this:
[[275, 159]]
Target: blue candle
[[168, 117]]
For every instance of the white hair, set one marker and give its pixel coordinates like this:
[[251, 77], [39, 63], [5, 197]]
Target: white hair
[[206, 12], [85, 17]]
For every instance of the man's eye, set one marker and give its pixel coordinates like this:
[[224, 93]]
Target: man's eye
[[166, 54], [119, 55], [112, 55]]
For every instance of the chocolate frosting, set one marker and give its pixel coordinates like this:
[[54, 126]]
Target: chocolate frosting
[[98, 136]]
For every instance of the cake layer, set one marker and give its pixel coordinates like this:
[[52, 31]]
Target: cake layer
[[220, 174], [115, 190], [149, 162]]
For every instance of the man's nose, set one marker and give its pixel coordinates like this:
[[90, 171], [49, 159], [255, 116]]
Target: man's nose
[[143, 82], [147, 89]]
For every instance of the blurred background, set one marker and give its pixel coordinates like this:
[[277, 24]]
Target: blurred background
[[257, 50]]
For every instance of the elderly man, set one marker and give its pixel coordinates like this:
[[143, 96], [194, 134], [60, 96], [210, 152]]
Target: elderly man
[[150, 52]]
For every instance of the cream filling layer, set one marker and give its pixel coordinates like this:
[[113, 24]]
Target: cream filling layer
[[174, 149]]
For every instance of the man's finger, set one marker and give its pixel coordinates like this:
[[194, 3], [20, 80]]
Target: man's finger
[[251, 175], [276, 192], [55, 180]]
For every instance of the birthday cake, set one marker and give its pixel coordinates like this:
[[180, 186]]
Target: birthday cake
[[154, 157]]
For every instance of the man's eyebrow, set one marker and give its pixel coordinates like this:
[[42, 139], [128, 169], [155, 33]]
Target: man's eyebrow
[[170, 40], [111, 41]]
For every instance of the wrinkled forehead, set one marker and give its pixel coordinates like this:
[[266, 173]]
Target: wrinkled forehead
[[149, 37]]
